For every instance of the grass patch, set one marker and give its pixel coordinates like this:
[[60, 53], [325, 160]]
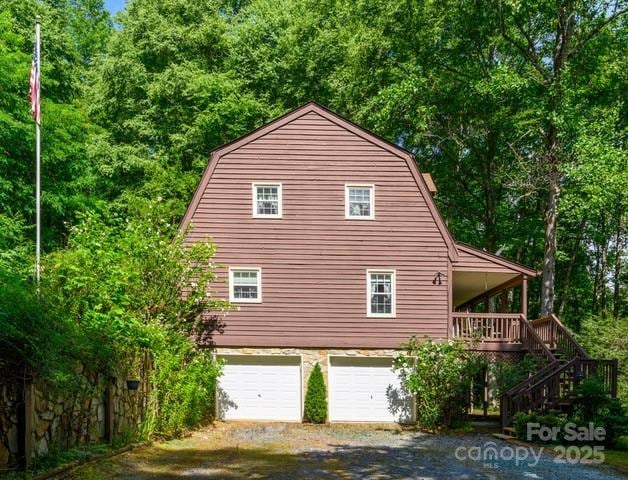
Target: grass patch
[[618, 456], [60, 458], [617, 459]]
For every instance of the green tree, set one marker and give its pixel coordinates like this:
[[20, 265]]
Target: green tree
[[67, 181], [90, 27], [112, 294], [315, 406], [165, 99], [549, 41]]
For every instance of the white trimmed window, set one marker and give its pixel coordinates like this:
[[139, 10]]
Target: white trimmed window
[[380, 293], [267, 200], [360, 202], [245, 285]]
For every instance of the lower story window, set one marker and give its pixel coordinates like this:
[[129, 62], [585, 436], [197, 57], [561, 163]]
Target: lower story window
[[381, 293], [245, 285]]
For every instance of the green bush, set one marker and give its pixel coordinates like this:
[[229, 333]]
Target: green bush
[[316, 397], [592, 404], [606, 338], [521, 420], [508, 374], [113, 294], [184, 386], [440, 376], [591, 398]]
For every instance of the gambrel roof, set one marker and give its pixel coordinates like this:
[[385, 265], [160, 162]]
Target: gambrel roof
[[310, 107]]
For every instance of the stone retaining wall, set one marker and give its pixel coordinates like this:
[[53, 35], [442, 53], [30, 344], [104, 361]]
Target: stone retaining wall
[[37, 417], [9, 423]]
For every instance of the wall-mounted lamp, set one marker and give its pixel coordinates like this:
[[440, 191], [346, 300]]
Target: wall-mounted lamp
[[438, 278]]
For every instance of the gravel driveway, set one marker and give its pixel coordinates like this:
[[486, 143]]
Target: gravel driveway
[[293, 451]]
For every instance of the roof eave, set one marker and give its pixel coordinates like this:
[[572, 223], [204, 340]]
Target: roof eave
[[514, 266]]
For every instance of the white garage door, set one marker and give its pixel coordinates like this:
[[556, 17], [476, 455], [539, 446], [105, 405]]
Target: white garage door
[[367, 390], [255, 387]]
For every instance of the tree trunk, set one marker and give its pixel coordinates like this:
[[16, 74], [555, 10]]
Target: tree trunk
[[596, 280], [564, 34], [603, 278], [617, 274], [490, 216], [572, 261], [551, 217]]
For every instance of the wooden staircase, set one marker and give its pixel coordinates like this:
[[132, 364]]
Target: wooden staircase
[[564, 365]]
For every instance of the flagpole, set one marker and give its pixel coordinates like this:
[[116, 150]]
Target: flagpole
[[38, 162]]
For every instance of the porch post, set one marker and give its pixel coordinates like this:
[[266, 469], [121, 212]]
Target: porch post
[[524, 296], [485, 392]]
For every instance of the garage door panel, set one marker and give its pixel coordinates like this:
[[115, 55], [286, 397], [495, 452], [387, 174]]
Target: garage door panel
[[367, 389], [260, 388]]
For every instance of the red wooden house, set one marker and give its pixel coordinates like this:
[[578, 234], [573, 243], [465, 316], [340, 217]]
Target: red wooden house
[[335, 252]]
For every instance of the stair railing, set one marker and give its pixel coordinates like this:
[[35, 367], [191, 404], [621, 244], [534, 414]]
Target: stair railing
[[531, 380], [533, 342], [537, 347], [555, 381], [551, 330], [507, 407]]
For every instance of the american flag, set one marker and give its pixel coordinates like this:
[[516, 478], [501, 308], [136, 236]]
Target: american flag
[[34, 87]]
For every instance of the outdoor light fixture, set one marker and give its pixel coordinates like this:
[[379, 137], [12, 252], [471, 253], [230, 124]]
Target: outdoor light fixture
[[438, 276], [132, 384]]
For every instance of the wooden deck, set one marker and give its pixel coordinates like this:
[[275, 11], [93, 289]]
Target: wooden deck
[[563, 362], [489, 331]]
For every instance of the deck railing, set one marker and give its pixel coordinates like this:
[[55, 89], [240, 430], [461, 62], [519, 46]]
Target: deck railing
[[493, 327]]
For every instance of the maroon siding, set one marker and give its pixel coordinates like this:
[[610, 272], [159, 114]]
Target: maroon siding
[[314, 260]]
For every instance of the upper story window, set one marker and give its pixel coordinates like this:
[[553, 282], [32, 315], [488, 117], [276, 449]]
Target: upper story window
[[381, 293], [245, 285], [267, 200], [360, 202]]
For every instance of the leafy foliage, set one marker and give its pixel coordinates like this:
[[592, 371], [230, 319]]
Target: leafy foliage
[[113, 293], [606, 338], [592, 405], [315, 407], [439, 375], [165, 100], [67, 180], [184, 386], [122, 283], [522, 419], [508, 374]]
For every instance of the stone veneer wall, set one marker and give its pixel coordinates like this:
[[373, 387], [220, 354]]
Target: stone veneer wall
[[9, 426], [61, 420], [309, 356]]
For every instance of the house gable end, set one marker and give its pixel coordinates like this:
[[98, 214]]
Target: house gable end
[[314, 108]]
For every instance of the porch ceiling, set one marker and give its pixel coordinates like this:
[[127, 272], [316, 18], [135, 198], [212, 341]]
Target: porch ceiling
[[468, 285]]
